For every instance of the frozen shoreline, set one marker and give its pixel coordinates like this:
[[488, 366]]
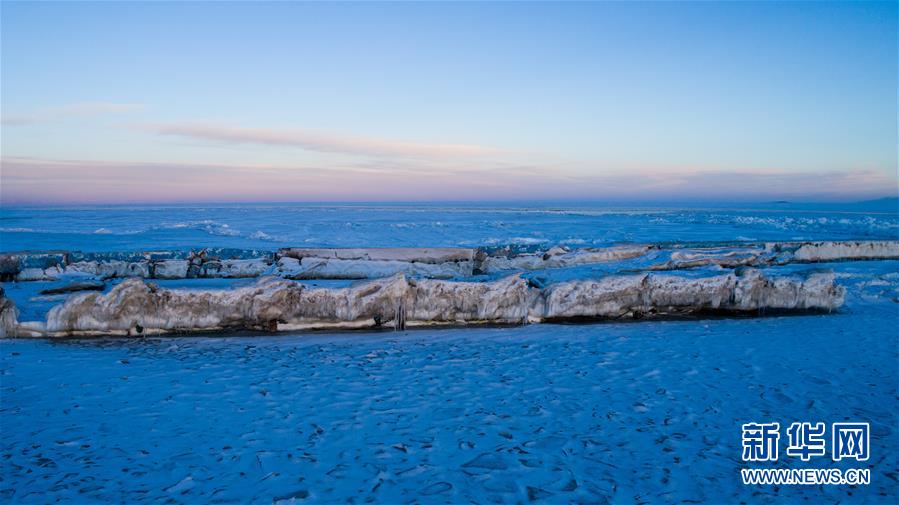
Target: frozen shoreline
[[409, 287]]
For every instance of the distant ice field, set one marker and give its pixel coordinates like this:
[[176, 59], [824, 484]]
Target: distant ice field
[[270, 226]]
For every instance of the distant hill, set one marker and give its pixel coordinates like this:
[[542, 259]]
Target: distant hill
[[887, 204]]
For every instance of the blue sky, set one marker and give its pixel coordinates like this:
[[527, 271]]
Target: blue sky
[[417, 101]]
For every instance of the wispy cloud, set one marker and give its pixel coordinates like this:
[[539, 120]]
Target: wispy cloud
[[29, 180], [18, 120], [312, 140], [93, 109], [70, 111]]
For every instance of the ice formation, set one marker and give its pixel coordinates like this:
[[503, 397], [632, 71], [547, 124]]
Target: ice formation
[[135, 307], [558, 257], [8, 315], [418, 286], [436, 263], [638, 296], [781, 253], [838, 251]]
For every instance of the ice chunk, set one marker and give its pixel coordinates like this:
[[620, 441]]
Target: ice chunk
[[134, 307]]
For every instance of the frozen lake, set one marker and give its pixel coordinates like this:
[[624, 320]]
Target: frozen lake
[[647, 412]]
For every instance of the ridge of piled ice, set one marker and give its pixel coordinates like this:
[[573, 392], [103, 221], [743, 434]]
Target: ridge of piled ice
[[321, 268], [437, 263], [432, 255], [831, 251], [134, 307], [558, 257], [641, 295], [781, 253]]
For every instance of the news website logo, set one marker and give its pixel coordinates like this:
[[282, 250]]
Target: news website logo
[[760, 441], [806, 441], [850, 440]]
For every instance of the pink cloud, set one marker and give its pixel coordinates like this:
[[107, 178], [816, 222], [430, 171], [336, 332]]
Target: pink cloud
[[320, 141], [26, 180]]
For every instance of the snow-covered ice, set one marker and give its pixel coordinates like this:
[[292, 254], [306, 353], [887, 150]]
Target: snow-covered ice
[[611, 412]]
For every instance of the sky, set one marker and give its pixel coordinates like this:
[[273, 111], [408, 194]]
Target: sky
[[276, 101]]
